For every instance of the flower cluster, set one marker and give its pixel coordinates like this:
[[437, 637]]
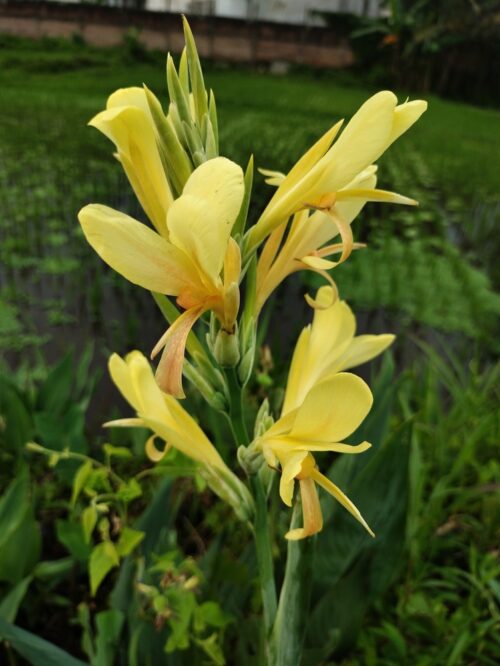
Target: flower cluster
[[195, 256]]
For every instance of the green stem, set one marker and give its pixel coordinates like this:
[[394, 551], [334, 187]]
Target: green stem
[[264, 554], [261, 530], [291, 618], [236, 412]]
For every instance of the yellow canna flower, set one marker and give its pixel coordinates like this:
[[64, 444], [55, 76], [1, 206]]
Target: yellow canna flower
[[322, 175], [322, 406], [127, 122], [171, 422], [332, 410], [327, 346], [194, 258]]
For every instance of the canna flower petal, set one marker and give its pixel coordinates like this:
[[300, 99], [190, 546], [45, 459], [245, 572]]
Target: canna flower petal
[[335, 491], [332, 409], [201, 220], [127, 123], [173, 343], [136, 251], [328, 346], [172, 423], [290, 470], [311, 512]]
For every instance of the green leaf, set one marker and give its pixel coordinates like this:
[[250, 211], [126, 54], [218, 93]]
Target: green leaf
[[109, 626], [9, 605], [89, 521], [129, 539], [17, 423], [129, 491], [54, 568], [80, 480], [55, 393], [35, 650], [212, 649], [72, 537], [13, 506], [103, 558]]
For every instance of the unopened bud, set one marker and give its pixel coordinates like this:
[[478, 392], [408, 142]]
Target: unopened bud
[[227, 349]]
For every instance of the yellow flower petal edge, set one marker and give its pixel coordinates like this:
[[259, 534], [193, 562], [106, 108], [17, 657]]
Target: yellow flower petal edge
[[171, 423]]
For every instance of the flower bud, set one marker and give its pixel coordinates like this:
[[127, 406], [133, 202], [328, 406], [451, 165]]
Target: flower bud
[[227, 349]]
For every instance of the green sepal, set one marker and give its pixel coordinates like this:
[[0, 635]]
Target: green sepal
[[195, 74]]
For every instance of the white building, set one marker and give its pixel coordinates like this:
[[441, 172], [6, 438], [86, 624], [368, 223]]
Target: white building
[[287, 11]]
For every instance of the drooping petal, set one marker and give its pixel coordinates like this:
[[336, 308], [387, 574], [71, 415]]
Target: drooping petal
[[336, 447], [332, 409], [289, 471], [201, 219], [169, 371], [136, 251], [335, 491], [311, 512]]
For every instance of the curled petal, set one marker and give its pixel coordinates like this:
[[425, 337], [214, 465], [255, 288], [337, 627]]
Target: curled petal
[[154, 454], [173, 343]]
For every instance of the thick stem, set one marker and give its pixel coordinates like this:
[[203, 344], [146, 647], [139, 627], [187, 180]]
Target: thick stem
[[261, 530], [288, 631], [264, 555]]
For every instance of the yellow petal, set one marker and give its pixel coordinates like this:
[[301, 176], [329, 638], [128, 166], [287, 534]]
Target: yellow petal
[[291, 468], [131, 129], [201, 219], [319, 346], [404, 117], [152, 452], [311, 512], [335, 491], [132, 96], [337, 447], [361, 143], [318, 263], [232, 263], [362, 349], [136, 251], [332, 409], [169, 371], [272, 177], [120, 374], [374, 195]]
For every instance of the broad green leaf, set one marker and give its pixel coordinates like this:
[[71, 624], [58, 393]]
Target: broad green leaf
[[13, 506], [72, 537], [103, 558], [129, 539], [17, 423], [35, 650], [117, 451], [9, 605], [109, 626]]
